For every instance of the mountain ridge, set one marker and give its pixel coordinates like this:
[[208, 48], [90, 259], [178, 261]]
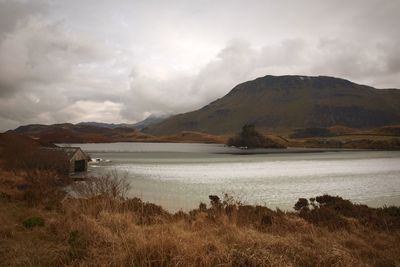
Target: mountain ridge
[[290, 101], [151, 119]]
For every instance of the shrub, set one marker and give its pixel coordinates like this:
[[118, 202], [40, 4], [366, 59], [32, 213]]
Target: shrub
[[215, 201], [301, 204], [111, 186], [33, 221], [44, 188], [202, 206], [333, 211], [147, 213]]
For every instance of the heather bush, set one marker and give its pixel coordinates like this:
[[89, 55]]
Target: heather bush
[[335, 212], [33, 222]]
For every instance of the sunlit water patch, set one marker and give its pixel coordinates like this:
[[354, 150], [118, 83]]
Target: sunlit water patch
[[180, 176]]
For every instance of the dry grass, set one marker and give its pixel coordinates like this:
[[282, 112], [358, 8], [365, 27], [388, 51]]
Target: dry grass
[[190, 137], [103, 229], [22, 153]]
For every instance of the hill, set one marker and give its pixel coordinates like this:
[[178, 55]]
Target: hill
[[288, 102], [98, 133], [22, 153], [80, 133], [190, 137]]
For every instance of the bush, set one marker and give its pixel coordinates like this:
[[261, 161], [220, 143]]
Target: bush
[[334, 211], [33, 221], [44, 188], [301, 204], [111, 186], [215, 201]]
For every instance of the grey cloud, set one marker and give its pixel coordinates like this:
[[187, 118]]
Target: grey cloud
[[12, 12], [39, 54], [235, 63], [123, 60], [239, 61], [45, 68], [392, 56]]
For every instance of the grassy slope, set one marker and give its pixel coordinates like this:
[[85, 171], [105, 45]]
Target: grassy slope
[[69, 133], [112, 232], [385, 138]]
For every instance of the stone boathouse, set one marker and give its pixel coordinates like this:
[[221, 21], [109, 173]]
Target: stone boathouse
[[78, 160], [69, 159]]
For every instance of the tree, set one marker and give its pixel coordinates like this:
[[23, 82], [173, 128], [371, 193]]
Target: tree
[[249, 137]]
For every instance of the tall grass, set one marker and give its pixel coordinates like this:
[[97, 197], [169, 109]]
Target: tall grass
[[102, 227]]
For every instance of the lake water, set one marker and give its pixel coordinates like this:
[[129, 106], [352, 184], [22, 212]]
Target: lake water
[[180, 176]]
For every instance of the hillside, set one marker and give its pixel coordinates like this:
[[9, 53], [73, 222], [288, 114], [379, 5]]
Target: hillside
[[288, 102], [190, 137], [150, 120], [19, 152], [78, 133], [98, 133]]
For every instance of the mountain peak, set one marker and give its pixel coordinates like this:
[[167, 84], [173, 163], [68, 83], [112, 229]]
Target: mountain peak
[[293, 82]]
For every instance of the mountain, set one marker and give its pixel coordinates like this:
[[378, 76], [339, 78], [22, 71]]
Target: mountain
[[105, 125], [289, 102], [150, 120]]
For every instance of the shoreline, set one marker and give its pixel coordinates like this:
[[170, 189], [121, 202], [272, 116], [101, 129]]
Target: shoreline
[[237, 151]]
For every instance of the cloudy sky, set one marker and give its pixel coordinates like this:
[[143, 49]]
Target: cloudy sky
[[120, 61]]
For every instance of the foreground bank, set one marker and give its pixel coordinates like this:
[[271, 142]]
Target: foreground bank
[[41, 226]]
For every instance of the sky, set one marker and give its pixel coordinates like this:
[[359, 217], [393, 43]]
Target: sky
[[123, 60]]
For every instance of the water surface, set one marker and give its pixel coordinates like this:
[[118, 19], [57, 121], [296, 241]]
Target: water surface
[[180, 176]]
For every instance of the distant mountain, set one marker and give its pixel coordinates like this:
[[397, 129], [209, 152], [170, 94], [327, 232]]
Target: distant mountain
[[150, 120], [105, 125], [288, 102]]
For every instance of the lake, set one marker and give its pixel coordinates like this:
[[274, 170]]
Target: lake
[[180, 176]]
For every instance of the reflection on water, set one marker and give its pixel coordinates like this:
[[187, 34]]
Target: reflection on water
[[180, 176]]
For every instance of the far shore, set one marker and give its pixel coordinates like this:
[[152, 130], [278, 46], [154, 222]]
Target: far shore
[[243, 151]]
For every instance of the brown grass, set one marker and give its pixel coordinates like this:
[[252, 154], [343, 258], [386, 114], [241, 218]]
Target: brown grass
[[190, 137], [103, 228], [22, 153]]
